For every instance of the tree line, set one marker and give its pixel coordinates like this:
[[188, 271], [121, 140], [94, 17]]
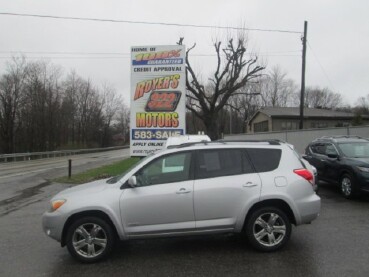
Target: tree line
[[41, 109]]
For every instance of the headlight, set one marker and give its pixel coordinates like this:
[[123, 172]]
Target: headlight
[[363, 169], [56, 204]]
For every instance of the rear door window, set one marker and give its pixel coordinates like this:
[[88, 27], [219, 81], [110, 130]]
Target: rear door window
[[264, 159], [218, 162]]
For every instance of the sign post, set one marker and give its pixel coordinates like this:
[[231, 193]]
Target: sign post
[[158, 96]]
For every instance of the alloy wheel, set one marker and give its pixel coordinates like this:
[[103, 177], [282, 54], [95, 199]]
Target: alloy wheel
[[269, 229], [89, 240], [346, 186]]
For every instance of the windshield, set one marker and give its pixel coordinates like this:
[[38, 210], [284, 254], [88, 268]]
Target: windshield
[[115, 179], [355, 149]]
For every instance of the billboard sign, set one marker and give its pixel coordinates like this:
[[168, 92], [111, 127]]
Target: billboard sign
[[158, 96]]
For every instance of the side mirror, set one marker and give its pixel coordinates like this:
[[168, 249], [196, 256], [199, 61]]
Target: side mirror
[[132, 181], [332, 156]]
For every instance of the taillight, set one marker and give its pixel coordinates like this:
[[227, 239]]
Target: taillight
[[306, 174]]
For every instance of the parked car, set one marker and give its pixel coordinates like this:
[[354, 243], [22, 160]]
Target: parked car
[[258, 189], [342, 160]]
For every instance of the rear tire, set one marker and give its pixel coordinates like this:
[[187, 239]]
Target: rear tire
[[90, 239], [268, 229]]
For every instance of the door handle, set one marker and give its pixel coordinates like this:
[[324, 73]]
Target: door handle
[[182, 191], [249, 185]]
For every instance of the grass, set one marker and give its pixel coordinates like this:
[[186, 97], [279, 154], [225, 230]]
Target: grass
[[99, 173]]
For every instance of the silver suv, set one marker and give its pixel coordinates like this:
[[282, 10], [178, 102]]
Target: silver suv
[[256, 188]]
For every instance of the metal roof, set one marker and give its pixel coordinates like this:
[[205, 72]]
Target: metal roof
[[341, 139], [308, 112]]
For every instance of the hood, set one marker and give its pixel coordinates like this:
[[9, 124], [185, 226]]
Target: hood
[[88, 188]]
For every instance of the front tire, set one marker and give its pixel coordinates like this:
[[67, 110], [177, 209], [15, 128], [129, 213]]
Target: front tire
[[90, 239], [268, 229]]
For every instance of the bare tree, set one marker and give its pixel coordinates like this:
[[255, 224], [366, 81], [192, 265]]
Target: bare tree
[[40, 112], [72, 85], [275, 89], [111, 103], [233, 71], [11, 96], [89, 113], [123, 121], [322, 98], [362, 105], [245, 105]]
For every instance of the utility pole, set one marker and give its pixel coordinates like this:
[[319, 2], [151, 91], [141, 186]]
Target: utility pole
[[302, 99], [230, 120]]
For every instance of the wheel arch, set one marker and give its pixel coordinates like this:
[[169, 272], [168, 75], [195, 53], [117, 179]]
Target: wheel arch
[[94, 213], [343, 172], [276, 203]]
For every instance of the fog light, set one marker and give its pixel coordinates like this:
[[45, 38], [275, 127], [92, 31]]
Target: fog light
[[48, 232]]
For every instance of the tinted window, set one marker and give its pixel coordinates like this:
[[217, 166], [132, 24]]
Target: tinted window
[[330, 149], [264, 159], [167, 169], [215, 163], [318, 148], [247, 166]]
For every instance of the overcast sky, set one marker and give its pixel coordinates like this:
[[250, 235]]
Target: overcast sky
[[338, 34]]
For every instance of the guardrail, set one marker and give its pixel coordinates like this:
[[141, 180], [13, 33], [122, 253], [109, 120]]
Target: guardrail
[[52, 154]]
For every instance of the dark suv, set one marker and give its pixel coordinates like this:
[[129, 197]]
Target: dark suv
[[342, 160]]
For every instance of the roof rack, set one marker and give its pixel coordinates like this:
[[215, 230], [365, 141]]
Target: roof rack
[[187, 144], [222, 141], [338, 136], [270, 141]]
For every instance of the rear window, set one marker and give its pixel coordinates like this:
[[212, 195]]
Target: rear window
[[264, 159]]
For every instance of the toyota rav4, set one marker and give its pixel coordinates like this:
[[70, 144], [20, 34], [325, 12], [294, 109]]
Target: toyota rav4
[[258, 189]]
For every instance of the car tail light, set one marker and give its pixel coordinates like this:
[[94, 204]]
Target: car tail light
[[306, 174]]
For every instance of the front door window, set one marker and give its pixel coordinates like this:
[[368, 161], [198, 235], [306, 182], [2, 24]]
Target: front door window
[[167, 169]]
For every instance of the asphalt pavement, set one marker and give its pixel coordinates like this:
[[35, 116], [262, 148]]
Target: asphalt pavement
[[336, 244]]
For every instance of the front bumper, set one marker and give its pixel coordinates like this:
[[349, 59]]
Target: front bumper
[[362, 181], [53, 224]]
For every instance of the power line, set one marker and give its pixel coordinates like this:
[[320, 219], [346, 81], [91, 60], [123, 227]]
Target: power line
[[321, 66], [117, 57], [63, 53], [72, 57], [149, 23], [271, 53]]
